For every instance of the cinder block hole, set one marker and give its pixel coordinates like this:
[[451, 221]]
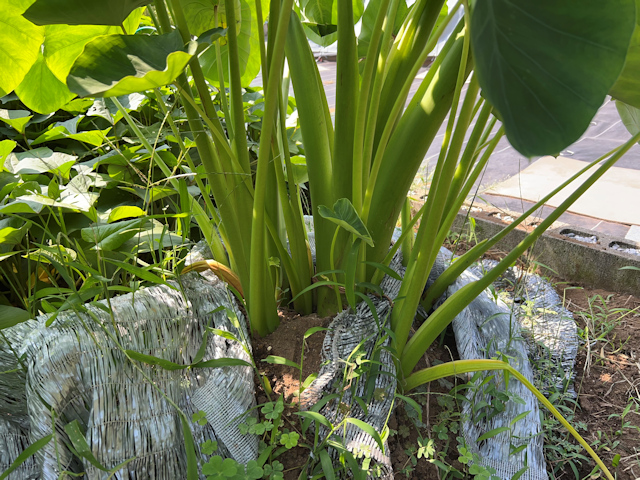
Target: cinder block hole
[[579, 236], [625, 248]]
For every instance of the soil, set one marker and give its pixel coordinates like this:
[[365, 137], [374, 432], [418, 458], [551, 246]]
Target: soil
[[607, 380], [608, 377]]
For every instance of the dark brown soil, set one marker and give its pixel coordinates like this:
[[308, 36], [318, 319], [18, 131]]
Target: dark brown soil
[[605, 388], [608, 377], [288, 342]]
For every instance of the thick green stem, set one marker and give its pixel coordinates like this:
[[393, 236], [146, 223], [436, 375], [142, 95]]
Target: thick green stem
[[347, 79], [360, 175], [239, 142], [407, 242], [264, 315], [423, 255], [408, 144], [317, 136], [221, 85]]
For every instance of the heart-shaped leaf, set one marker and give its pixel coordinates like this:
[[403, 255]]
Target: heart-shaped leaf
[[547, 66], [41, 91], [346, 216], [6, 147], [248, 47], [299, 167], [110, 237], [63, 44], [627, 87], [82, 12], [10, 316], [630, 116], [40, 160], [17, 119], [20, 40], [114, 65]]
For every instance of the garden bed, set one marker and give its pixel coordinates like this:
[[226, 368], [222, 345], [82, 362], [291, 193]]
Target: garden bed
[[606, 390]]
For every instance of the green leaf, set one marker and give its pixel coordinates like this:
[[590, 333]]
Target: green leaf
[[300, 172], [327, 465], [369, 20], [616, 460], [40, 160], [80, 445], [114, 65], [317, 417], [25, 454], [153, 237], [276, 360], [167, 365], [344, 215], [17, 119], [20, 40], [210, 36], [10, 316], [199, 15], [6, 147], [82, 12], [325, 12], [190, 447], [493, 433], [12, 230], [367, 429], [151, 194], [110, 237], [77, 298], [248, 47], [222, 362], [413, 403], [151, 360], [630, 117], [627, 87], [321, 19], [125, 211], [254, 471], [139, 272], [41, 91], [519, 417], [313, 330], [47, 253], [547, 66], [94, 138]]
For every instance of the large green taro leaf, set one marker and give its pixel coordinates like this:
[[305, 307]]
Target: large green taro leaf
[[320, 19], [547, 65], [200, 14], [627, 87], [248, 48], [41, 91], [63, 44], [20, 42], [369, 20], [325, 12], [114, 65], [82, 12]]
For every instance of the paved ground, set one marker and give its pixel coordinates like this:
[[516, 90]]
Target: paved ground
[[605, 133]]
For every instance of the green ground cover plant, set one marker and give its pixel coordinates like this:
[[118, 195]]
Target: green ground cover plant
[[237, 162]]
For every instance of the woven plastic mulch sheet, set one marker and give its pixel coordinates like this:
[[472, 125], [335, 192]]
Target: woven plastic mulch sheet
[[72, 370]]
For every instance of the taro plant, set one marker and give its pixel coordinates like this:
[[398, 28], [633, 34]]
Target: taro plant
[[542, 68]]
